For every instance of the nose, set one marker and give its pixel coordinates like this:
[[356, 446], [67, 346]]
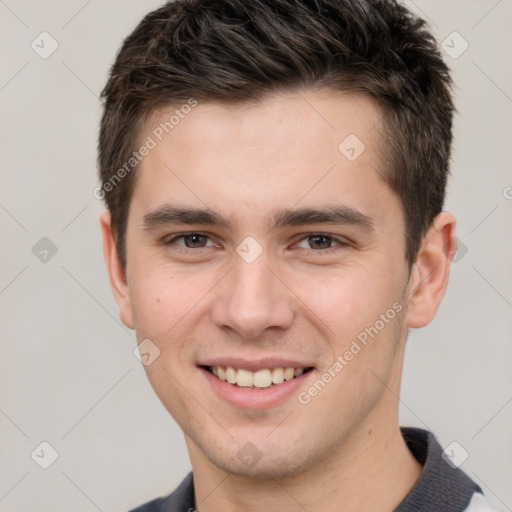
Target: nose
[[251, 299]]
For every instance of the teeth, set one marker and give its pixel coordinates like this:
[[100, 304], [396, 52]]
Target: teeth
[[231, 375], [244, 378], [262, 379], [278, 376], [259, 379], [289, 374]]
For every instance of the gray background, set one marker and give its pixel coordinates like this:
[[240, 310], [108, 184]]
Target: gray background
[[68, 374]]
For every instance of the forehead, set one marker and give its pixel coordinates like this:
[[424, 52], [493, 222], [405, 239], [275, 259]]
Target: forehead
[[291, 116], [304, 147]]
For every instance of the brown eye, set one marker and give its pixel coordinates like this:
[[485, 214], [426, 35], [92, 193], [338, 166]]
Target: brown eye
[[195, 240], [320, 242], [190, 241]]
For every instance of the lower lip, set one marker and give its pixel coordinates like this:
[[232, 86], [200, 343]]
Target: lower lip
[[255, 398]]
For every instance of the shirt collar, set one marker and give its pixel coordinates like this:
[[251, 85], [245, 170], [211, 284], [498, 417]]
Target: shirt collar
[[441, 487]]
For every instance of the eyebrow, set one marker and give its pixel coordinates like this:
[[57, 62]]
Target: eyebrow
[[336, 214]]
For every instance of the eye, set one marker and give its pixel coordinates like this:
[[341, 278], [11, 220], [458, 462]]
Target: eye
[[319, 242], [191, 241]]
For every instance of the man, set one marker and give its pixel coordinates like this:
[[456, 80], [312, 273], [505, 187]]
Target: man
[[274, 173]]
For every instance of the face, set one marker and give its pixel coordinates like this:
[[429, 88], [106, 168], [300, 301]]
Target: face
[[262, 244]]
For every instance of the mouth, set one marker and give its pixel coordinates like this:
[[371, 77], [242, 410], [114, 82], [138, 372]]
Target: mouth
[[260, 379]]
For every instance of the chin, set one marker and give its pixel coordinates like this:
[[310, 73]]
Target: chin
[[285, 457], [276, 468]]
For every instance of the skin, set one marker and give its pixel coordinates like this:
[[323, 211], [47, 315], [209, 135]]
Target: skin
[[298, 299]]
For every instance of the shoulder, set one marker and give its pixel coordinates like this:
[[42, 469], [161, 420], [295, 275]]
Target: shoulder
[[180, 500]]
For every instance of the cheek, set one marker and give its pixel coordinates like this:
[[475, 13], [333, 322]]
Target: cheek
[[346, 302], [163, 300], [361, 320]]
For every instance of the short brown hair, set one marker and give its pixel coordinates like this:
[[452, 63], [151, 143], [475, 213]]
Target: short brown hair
[[240, 50]]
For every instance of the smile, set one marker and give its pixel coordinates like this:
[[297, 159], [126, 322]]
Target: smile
[[263, 378]]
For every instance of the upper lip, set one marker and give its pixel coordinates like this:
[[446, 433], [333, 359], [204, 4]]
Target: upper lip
[[254, 365]]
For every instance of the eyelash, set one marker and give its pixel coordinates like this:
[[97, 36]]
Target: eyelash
[[340, 243]]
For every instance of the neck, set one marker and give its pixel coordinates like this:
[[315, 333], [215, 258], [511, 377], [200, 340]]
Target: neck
[[377, 472]]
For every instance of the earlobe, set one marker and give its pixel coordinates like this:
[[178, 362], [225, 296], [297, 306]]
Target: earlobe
[[115, 271], [430, 273]]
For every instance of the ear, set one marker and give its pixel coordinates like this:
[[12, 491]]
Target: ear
[[115, 271], [430, 272]]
